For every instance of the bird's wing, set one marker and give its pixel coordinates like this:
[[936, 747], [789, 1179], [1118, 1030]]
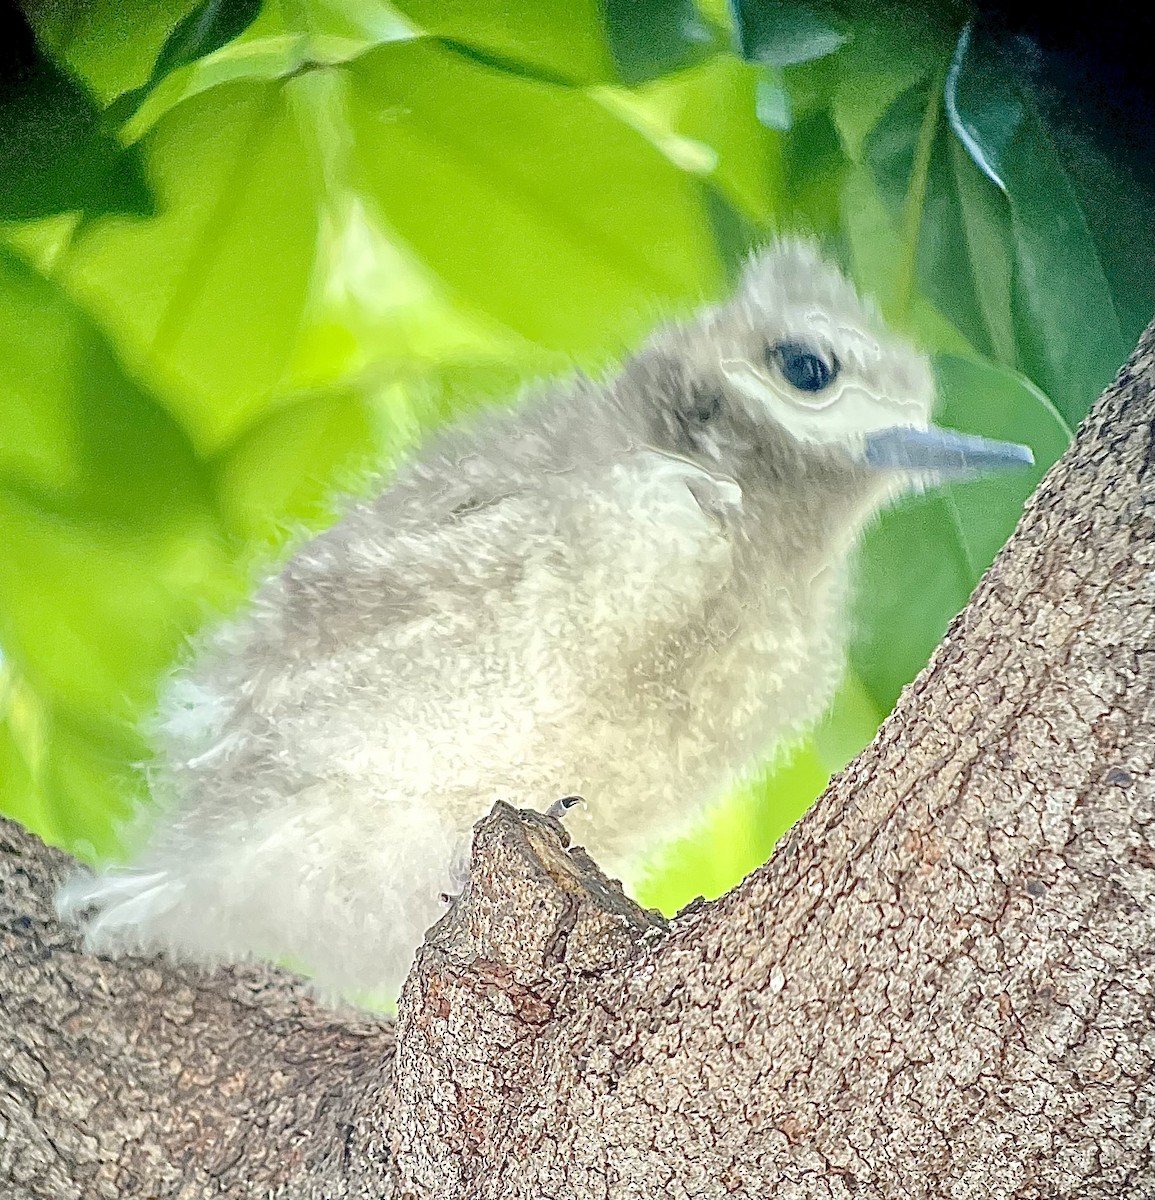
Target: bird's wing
[[653, 531]]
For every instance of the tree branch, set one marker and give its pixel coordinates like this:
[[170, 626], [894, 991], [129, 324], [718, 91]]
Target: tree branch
[[138, 1078]]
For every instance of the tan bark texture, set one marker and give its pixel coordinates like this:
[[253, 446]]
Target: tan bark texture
[[941, 986]]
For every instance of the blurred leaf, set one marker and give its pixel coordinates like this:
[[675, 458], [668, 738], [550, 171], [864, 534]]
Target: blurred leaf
[[77, 435], [711, 110], [876, 259], [656, 37], [283, 40], [111, 547], [90, 784], [377, 311], [849, 726], [54, 155], [560, 39], [209, 296], [887, 54], [921, 562], [86, 609], [530, 201], [1005, 247], [781, 33], [912, 578], [965, 241], [209, 26], [772, 103], [1116, 195], [982, 398], [21, 749], [110, 44], [281, 472], [815, 174], [72, 781]]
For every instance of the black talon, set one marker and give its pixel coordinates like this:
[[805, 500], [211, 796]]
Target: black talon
[[559, 808]]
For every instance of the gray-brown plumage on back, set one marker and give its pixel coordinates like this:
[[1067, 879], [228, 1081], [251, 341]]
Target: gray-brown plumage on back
[[631, 590]]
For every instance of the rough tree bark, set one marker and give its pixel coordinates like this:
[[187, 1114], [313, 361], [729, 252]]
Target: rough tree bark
[[941, 985]]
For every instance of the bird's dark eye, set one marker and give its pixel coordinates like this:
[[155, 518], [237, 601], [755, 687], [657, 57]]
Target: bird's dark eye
[[802, 367], [707, 405]]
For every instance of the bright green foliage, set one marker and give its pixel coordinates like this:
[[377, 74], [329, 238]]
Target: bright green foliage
[[252, 251]]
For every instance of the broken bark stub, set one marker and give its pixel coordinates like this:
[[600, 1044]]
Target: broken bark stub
[[535, 917]]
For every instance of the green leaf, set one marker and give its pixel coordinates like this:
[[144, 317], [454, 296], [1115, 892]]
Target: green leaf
[[772, 101], [208, 297], [21, 750], [965, 243], [77, 434], [655, 37], [1067, 327], [1004, 241], [876, 257], [208, 27], [530, 201], [982, 398], [106, 513], [887, 54], [110, 44], [815, 173], [919, 565], [1115, 193], [781, 33], [711, 110], [112, 546], [560, 39], [54, 154], [282, 472], [68, 779], [91, 784]]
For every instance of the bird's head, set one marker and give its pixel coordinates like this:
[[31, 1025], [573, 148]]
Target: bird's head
[[797, 378]]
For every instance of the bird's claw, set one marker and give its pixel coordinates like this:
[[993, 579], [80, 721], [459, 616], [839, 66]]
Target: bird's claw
[[559, 808]]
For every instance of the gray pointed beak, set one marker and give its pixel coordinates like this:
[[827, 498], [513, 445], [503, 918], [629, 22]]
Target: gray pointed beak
[[942, 451]]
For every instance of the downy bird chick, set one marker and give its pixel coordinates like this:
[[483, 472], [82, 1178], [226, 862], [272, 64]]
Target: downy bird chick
[[632, 590]]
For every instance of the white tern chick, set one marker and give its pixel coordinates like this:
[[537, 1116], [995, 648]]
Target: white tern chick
[[631, 590]]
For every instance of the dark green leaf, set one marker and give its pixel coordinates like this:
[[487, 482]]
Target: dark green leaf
[[208, 27], [1067, 325], [780, 33], [1005, 247], [815, 173], [54, 154], [205, 29], [966, 241], [110, 45], [922, 561], [648, 38]]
